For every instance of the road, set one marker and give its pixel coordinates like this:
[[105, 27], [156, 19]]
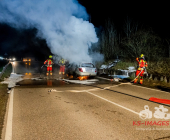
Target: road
[[95, 109]]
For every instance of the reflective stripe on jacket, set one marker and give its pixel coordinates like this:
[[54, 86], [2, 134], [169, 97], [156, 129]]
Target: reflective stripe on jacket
[[141, 64], [62, 62], [49, 62]]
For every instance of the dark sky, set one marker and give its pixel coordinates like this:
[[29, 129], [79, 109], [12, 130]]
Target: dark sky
[[22, 43], [153, 14]]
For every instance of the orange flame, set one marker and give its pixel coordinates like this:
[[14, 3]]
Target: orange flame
[[71, 77], [49, 83], [83, 77]]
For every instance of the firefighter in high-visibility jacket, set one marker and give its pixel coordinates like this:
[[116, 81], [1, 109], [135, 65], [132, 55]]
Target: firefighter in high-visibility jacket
[[142, 64], [49, 63], [62, 66]]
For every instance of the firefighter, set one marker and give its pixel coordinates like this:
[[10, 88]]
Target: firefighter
[[49, 65], [62, 66], [142, 64]]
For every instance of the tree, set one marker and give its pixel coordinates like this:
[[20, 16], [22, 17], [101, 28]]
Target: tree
[[130, 27], [108, 40], [142, 41]]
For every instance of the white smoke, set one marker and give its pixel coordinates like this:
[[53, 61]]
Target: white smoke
[[62, 23]]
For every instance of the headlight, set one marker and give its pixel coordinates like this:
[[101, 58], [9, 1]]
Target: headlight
[[13, 58]]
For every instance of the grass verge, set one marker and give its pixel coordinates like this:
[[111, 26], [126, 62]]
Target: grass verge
[[7, 72], [4, 97], [160, 85], [3, 103], [157, 85], [124, 65]]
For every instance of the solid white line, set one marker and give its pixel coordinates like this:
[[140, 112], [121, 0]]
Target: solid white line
[[151, 89], [134, 85], [8, 133], [113, 103]]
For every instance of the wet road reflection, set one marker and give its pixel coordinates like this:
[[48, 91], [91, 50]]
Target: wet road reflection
[[34, 74], [49, 82], [32, 67]]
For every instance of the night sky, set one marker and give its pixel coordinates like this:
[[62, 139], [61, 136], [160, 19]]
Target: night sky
[[151, 14]]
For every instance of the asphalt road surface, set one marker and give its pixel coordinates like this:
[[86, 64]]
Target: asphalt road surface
[[94, 109]]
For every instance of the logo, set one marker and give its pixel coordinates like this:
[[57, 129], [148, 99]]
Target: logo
[[160, 113]]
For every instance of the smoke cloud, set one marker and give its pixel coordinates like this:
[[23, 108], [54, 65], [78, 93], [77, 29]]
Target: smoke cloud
[[62, 23]]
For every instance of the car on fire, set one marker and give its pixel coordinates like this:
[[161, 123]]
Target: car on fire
[[83, 69]]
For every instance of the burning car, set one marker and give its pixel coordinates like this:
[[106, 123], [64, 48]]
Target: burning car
[[82, 70]]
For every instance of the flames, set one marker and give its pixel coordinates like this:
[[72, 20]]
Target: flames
[[83, 77], [80, 77], [70, 76]]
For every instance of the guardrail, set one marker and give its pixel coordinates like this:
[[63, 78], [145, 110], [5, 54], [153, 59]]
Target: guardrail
[[132, 74]]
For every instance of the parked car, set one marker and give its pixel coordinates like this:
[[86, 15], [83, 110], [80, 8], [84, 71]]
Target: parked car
[[83, 69]]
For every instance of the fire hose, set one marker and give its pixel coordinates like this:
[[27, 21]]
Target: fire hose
[[139, 74]]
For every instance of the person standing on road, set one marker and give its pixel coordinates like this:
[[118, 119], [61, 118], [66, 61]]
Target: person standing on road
[[49, 63], [62, 66], [142, 64]]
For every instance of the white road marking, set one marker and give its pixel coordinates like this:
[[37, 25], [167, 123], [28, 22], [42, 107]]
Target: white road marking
[[93, 89], [151, 89], [79, 81], [54, 90], [113, 103], [104, 98], [134, 85], [8, 133], [75, 90], [110, 87]]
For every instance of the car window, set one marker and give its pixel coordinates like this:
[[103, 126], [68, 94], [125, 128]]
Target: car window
[[87, 65]]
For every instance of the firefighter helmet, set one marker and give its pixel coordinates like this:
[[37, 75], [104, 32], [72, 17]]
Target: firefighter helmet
[[50, 56], [141, 55]]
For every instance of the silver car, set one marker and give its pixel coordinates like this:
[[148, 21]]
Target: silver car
[[83, 69], [86, 69]]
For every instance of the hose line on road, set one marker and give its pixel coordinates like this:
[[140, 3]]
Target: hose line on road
[[120, 93]]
